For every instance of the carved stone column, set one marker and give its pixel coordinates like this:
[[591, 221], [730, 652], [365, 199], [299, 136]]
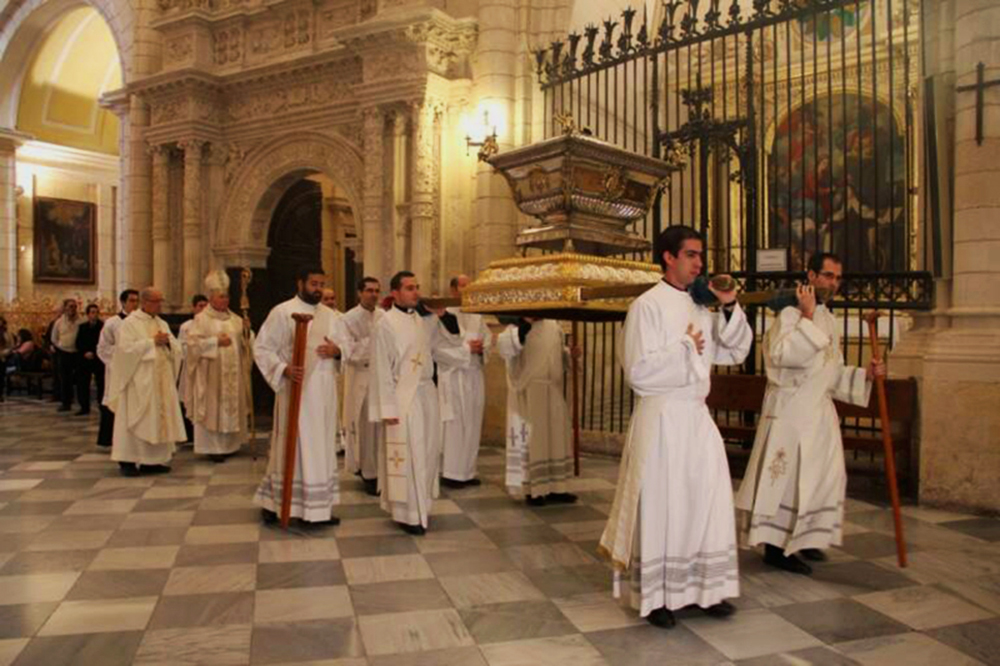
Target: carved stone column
[[136, 200], [160, 215], [495, 225], [423, 207], [192, 216], [371, 214]]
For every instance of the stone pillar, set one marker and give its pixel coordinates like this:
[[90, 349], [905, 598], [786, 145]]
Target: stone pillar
[[9, 142], [422, 189], [373, 208], [495, 76], [193, 274], [160, 216], [958, 359], [137, 253]]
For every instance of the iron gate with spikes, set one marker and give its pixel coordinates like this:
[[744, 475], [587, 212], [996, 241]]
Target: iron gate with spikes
[[797, 122]]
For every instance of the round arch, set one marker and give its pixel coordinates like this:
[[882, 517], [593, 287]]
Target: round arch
[[30, 21], [241, 229]]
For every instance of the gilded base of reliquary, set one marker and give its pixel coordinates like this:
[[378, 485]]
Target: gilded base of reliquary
[[549, 285]]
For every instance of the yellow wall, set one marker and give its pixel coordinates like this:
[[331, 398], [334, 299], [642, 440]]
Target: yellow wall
[[75, 63]]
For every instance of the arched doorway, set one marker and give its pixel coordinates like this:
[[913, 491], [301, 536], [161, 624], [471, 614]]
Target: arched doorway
[[311, 224]]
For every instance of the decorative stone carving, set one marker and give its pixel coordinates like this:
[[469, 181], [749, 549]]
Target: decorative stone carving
[[180, 49], [308, 151], [228, 46], [235, 156], [298, 97]]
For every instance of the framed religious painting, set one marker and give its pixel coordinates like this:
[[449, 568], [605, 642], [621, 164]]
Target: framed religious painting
[[836, 182], [65, 241]]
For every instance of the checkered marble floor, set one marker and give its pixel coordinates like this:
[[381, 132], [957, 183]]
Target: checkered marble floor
[[97, 569]]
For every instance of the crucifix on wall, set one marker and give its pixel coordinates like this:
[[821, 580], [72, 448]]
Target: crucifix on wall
[[979, 87]]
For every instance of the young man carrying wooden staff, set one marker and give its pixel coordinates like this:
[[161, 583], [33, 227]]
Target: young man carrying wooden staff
[[315, 489]]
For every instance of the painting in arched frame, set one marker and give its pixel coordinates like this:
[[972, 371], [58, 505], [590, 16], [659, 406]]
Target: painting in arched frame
[[836, 182]]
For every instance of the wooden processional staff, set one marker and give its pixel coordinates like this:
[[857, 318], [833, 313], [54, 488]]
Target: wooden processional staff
[[294, 405], [890, 458]]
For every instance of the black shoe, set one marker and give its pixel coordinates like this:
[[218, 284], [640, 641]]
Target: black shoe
[[661, 618], [64, 408], [332, 522], [451, 483], [371, 486], [83, 412], [415, 530], [218, 458], [104, 445], [721, 609], [471, 483], [535, 501], [813, 554], [154, 469], [561, 498], [269, 517], [775, 557], [128, 469]]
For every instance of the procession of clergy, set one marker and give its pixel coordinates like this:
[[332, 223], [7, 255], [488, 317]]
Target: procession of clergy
[[412, 415]]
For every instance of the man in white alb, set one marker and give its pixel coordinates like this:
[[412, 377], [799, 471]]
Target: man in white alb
[[792, 495], [671, 529], [216, 372], [361, 433], [539, 455], [129, 300], [463, 388], [403, 397], [143, 393], [315, 489]]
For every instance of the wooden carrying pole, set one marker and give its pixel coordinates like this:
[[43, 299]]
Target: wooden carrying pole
[[575, 377], [890, 458], [292, 427]]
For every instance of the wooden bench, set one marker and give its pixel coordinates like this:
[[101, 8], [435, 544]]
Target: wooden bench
[[743, 395]]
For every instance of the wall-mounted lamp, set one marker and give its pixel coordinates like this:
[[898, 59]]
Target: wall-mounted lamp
[[488, 145]]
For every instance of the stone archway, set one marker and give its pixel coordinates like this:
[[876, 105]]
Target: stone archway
[[268, 172]]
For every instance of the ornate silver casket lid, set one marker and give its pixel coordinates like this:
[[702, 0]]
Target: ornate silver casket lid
[[584, 193]]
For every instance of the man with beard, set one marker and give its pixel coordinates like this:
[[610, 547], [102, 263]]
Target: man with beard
[[314, 489], [792, 496]]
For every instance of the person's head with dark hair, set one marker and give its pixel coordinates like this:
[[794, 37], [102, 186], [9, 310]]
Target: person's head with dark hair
[[25, 335], [198, 303], [129, 300], [93, 312], [458, 284], [369, 290], [405, 289], [310, 281], [825, 273], [680, 252]]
